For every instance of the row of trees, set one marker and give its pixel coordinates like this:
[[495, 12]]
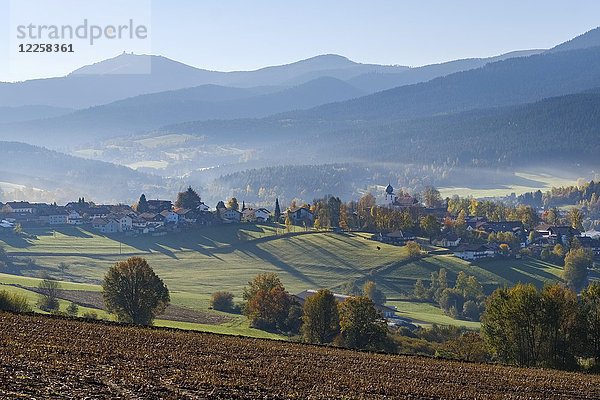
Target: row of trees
[[492, 210], [551, 327], [331, 212], [584, 193], [354, 323], [464, 300]]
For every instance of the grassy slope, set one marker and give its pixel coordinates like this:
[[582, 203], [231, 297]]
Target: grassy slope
[[198, 263]]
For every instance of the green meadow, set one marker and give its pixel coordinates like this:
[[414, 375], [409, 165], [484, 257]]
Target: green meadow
[[194, 264]]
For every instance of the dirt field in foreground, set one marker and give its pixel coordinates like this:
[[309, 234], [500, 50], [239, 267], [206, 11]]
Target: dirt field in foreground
[[49, 357]]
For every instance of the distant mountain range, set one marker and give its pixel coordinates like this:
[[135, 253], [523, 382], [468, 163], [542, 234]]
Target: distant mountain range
[[271, 93], [151, 111], [504, 83], [512, 81], [375, 81], [522, 107], [130, 75]]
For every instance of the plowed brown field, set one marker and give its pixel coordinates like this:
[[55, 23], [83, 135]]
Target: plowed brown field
[[48, 357]]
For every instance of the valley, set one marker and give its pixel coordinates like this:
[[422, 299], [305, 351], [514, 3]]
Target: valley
[[316, 200]]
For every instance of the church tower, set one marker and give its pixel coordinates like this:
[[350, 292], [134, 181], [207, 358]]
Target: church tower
[[390, 197]]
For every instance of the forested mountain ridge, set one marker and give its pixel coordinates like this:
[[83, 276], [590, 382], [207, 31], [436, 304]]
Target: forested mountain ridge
[[375, 82], [508, 82], [562, 129], [586, 40]]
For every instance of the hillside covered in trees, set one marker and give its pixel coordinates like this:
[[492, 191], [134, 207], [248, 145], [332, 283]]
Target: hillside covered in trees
[[53, 175], [556, 130]]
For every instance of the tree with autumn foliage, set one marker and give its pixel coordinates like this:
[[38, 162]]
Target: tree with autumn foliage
[[268, 305], [361, 325], [134, 292], [529, 327], [188, 199], [321, 319]]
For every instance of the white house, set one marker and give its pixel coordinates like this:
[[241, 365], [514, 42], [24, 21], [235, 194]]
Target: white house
[[474, 252], [104, 226], [231, 216], [447, 240], [138, 223], [171, 217], [258, 215], [125, 223], [262, 215], [58, 219], [300, 215], [188, 216], [74, 218]]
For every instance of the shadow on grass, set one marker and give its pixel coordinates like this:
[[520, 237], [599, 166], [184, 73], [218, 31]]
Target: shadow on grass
[[73, 232], [527, 270], [16, 241], [255, 251]]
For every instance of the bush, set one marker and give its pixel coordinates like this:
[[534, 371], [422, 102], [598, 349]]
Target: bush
[[413, 249], [13, 302], [222, 301], [90, 315], [526, 252], [63, 267], [439, 333], [72, 310], [468, 347], [410, 345], [48, 289]]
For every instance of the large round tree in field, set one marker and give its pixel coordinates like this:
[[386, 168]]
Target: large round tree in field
[[134, 292]]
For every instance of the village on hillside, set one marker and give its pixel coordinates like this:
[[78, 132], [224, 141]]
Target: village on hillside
[[469, 237]]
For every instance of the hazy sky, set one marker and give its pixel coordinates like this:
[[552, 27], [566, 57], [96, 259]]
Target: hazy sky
[[242, 34]]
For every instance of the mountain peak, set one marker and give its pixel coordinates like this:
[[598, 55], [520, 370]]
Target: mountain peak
[[333, 58], [325, 62], [124, 63], [130, 64]]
